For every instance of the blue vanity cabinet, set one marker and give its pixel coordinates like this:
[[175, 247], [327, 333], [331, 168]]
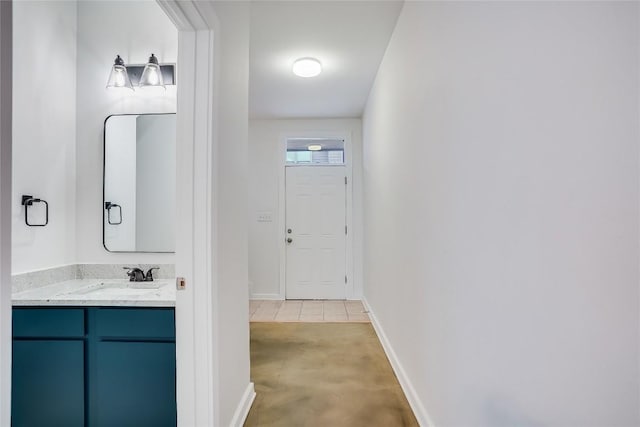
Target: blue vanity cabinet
[[97, 366], [135, 384], [48, 368], [134, 370]]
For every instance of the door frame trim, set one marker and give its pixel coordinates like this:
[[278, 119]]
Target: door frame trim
[[6, 87], [197, 358], [350, 291]]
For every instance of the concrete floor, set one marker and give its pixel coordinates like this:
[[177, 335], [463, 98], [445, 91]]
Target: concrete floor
[[325, 375]]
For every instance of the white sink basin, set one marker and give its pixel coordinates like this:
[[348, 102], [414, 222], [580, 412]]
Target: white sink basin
[[118, 288]]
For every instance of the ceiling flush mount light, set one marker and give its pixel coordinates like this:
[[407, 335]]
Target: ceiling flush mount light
[[119, 76], [151, 74], [307, 67], [314, 147]]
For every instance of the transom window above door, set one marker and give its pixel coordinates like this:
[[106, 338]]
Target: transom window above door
[[315, 151]]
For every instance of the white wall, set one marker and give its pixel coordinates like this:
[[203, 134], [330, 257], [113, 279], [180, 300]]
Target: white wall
[[134, 30], [266, 153], [44, 131], [231, 324], [52, 107], [501, 198]]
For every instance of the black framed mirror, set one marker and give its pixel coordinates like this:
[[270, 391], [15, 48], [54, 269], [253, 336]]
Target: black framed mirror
[[139, 183]]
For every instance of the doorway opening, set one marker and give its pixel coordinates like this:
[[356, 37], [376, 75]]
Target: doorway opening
[[315, 224]]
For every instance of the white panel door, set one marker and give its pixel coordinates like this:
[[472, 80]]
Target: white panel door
[[315, 232]]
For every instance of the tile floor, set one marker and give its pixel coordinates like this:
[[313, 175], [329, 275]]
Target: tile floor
[[307, 311]]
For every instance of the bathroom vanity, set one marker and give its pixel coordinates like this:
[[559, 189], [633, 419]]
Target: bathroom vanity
[[90, 350], [94, 353]]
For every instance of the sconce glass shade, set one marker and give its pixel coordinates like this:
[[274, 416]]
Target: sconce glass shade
[[152, 75], [119, 76]]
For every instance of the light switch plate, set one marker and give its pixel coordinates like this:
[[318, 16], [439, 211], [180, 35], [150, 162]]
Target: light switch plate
[[265, 217]]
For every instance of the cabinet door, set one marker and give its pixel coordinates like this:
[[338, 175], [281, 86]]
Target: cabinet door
[[47, 383], [135, 384]]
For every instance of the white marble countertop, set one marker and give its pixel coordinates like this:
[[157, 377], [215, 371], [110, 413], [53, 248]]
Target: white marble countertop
[[100, 292]]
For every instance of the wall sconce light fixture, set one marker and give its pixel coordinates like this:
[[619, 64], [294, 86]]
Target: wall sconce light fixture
[[151, 74], [119, 76]]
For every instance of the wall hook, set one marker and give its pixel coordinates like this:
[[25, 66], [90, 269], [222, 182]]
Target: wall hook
[[28, 201]]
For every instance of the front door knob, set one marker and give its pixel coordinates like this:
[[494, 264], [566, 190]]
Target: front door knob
[[289, 240]]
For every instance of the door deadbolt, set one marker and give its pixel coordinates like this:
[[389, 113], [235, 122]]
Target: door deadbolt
[[289, 230]]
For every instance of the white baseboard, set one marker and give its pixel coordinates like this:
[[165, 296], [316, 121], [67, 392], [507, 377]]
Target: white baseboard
[[240, 416], [276, 297], [405, 382]]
